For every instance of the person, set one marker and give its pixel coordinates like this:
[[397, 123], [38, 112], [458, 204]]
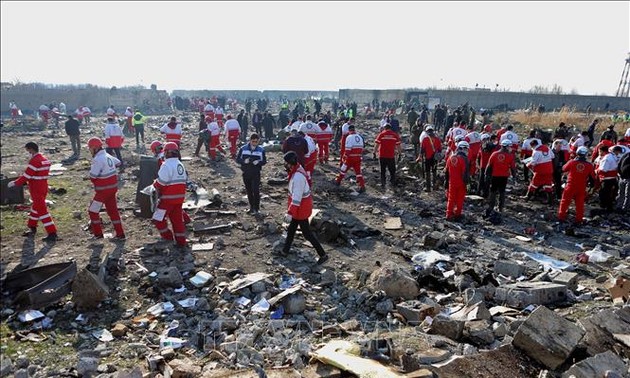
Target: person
[[499, 167], [578, 141], [296, 143], [456, 175], [542, 167], [202, 136], [607, 174], [36, 176], [526, 152], [72, 129], [129, 122], [138, 121], [232, 131], [310, 159], [323, 142], [208, 111], [510, 135], [489, 146], [474, 141], [455, 132], [412, 117], [15, 111], [172, 131], [623, 170], [214, 132], [114, 139], [300, 207], [157, 150], [344, 134], [171, 188], [257, 120], [242, 120], [578, 172], [560, 158], [430, 150], [351, 158], [252, 157], [590, 133], [86, 114], [387, 145], [111, 112], [104, 176], [561, 132], [218, 113], [605, 141], [610, 134], [44, 113]]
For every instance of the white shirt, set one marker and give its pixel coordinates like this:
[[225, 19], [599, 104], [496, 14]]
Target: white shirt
[[345, 128], [214, 129], [208, 108], [62, 107], [111, 112], [526, 142], [232, 125], [511, 136], [309, 128], [298, 188], [312, 146], [609, 162], [128, 113], [167, 130], [218, 110], [539, 157], [112, 129], [104, 165]]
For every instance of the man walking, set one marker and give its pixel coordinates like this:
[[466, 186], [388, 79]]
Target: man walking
[[242, 120], [457, 176], [72, 129], [138, 121], [387, 144], [430, 150], [232, 130], [542, 166], [36, 176], [104, 176], [500, 165], [252, 157], [578, 172], [352, 157], [114, 138]]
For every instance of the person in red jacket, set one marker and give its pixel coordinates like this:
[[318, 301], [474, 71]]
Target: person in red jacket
[[457, 176], [171, 187], [323, 143], [233, 131], [578, 172], [300, 207], [607, 141], [104, 176], [500, 165], [488, 147], [172, 131], [387, 144], [429, 146], [36, 176], [352, 157], [542, 166]]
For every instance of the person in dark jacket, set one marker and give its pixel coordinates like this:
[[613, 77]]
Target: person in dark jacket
[[72, 129], [296, 143], [252, 157], [268, 124], [203, 138], [242, 120]]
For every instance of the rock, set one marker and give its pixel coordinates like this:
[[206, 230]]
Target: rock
[[258, 287], [294, 303], [394, 281], [328, 277], [184, 369], [87, 365], [508, 268], [475, 311], [434, 240], [119, 330], [603, 330], [479, 332], [384, 307], [548, 337], [88, 290], [21, 373], [202, 304], [134, 373], [499, 329], [21, 362], [77, 214], [6, 366], [350, 325], [523, 294], [168, 353], [170, 277], [415, 311], [567, 279], [442, 325], [597, 366]]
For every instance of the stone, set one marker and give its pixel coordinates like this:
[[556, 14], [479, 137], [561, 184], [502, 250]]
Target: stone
[[394, 281], [478, 332], [258, 287], [87, 366], [21, 373], [604, 330], [442, 325], [6, 366], [119, 330], [499, 329], [567, 279], [168, 353], [547, 337], [184, 369], [21, 362], [508, 268], [415, 312], [434, 240], [88, 291], [170, 277], [597, 366], [294, 303], [523, 294], [202, 304], [328, 277], [384, 307], [475, 311], [432, 355]]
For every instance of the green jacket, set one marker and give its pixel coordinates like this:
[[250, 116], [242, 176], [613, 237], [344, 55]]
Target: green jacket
[[138, 119]]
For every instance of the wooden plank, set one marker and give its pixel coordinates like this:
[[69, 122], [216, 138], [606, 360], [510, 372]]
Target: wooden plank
[[284, 294], [248, 280]]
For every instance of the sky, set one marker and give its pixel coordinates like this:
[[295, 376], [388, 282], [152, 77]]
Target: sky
[[579, 46]]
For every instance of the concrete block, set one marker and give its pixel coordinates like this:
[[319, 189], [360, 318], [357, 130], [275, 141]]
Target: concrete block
[[444, 326], [508, 268], [415, 311], [434, 240], [597, 366], [568, 279], [547, 337], [523, 294]]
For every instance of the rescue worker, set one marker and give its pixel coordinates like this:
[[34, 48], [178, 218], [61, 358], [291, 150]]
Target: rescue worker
[[214, 132], [252, 157], [296, 143], [218, 113], [44, 113], [510, 135], [300, 207], [156, 149], [114, 139], [542, 166], [474, 141], [605, 141], [456, 175], [172, 131], [323, 142], [455, 132], [500, 165], [577, 142], [104, 176], [345, 129], [129, 122], [560, 158], [232, 131], [111, 113], [387, 145], [430, 150], [526, 152], [208, 111], [578, 172], [607, 174], [352, 157], [203, 137], [36, 176], [488, 147], [310, 159], [15, 111], [171, 188], [138, 121]]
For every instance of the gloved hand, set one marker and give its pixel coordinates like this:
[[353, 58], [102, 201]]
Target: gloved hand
[[11, 184], [288, 218], [246, 161], [255, 162]]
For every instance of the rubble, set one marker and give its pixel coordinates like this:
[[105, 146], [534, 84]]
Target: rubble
[[523, 294], [88, 290], [597, 366], [394, 281]]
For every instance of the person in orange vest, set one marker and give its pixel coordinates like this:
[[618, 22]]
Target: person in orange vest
[[457, 176], [36, 176], [500, 165], [387, 144], [114, 139], [233, 131], [172, 131], [430, 153], [171, 188], [352, 157], [104, 176], [300, 207], [578, 172], [542, 167]]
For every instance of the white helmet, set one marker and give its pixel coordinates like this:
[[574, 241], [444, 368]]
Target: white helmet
[[463, 144], [582, 150], [485, 136], [506, 143], [428, 128]]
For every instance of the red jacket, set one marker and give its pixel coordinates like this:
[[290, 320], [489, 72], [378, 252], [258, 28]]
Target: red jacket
[[36, 175], [388, 141], [171, 182], [501, 163], [300, 200], [457, 170], [430, 145], [578, 173], [542, 160]]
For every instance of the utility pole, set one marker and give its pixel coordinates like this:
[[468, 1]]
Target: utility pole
[[624, 85]]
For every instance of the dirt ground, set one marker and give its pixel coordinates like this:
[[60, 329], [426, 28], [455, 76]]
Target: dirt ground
[[248, 244]]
